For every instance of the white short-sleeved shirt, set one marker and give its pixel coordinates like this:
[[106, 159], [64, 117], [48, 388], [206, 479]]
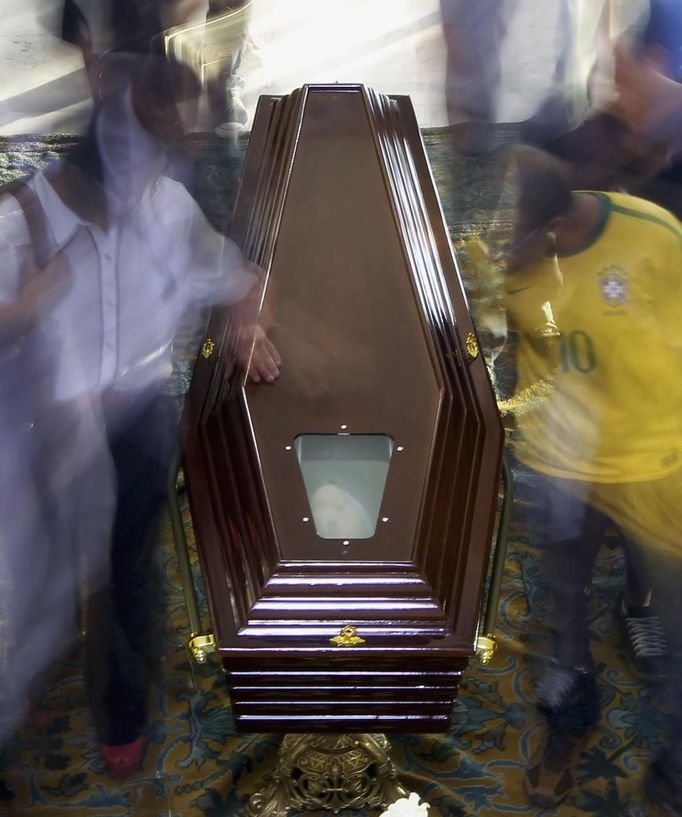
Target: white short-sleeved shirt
[[129, 286]]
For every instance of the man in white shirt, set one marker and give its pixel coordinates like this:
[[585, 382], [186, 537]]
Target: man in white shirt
[[136, 254]]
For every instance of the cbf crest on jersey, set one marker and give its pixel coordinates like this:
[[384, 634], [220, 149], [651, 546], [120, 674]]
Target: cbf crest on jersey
[[614, 286]]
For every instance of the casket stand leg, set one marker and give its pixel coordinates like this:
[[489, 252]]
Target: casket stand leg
[[331, 773]]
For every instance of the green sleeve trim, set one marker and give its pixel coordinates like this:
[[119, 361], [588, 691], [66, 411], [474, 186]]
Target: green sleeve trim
[[627, 211]]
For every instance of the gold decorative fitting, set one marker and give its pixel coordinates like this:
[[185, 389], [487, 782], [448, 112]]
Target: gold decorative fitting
[[207, 348], [348, 637], [530, 399], [201, 646], [486, 647], [471, 346], [329, 773]]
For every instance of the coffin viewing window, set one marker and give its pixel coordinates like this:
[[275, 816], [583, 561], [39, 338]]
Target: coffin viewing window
[[345, 477]]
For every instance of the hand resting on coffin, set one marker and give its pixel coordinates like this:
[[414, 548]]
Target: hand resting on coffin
[[254, 349]]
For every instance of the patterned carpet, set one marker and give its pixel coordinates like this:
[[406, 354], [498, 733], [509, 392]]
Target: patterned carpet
[[196, 765]]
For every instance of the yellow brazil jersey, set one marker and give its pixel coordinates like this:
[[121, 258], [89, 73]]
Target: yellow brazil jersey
[[614, 413]]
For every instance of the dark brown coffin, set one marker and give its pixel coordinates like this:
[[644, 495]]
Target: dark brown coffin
[[338, 206]]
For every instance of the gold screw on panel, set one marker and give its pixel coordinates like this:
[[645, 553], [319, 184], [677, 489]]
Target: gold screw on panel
[[207, 348], [471, 345], [348, 637]]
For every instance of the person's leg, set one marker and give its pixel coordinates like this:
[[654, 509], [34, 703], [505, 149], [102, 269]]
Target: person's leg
[[638, 608], [143, 451], [473, 36], [566, 690], [649, 515], [224, 85], [125, 617], [663, 782], [572, 532], [473, 33]]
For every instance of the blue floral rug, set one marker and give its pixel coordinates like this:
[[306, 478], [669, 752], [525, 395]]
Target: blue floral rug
[[196, 765]]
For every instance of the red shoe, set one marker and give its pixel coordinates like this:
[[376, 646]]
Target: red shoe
[[124, 760]]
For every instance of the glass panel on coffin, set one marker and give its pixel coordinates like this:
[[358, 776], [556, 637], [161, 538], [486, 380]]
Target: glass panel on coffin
[[344, 477]]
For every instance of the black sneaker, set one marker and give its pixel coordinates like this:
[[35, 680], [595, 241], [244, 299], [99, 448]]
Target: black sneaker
[[662, 789], [6, 797], [556, 686], [6, 794], [647, 646], [568, 697]]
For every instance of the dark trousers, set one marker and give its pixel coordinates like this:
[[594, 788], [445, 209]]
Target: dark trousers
[[125, 617], [573, 532]]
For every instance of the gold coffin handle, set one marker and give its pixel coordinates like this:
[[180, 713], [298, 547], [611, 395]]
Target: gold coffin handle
[[486, 644], [200, 644]]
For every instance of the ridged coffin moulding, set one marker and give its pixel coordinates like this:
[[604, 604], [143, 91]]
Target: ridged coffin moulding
[[379, 412]]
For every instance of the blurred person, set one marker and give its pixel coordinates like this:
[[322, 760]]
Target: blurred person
[[56, 480], [577, 121], [473, 37], [95, 27], [594, 293], [141, 254], [661, 39], [580, 29], [649, 102], [603, 138], [126, 26], [100, 27], [168, 260], [224, 83]]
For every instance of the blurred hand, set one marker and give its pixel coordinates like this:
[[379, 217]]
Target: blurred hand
[[647, 98], [45, 286], [258, 354], [252, 318]]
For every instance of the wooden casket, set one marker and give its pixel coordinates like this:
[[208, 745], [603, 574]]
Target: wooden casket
[[344, 514]]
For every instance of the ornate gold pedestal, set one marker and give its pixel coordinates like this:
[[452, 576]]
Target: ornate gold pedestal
[[329, 772]]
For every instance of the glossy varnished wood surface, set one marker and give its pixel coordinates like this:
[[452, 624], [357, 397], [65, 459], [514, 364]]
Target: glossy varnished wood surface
[[338, 207]]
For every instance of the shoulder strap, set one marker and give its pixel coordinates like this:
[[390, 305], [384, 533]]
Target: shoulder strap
[[35, 218]]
